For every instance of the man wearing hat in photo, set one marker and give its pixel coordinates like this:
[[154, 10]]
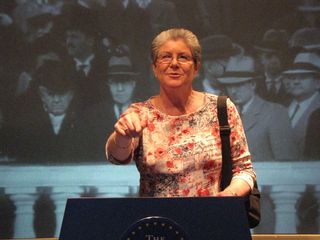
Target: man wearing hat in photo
[[98, 121], [216, 51], [46, 126], [40, 37], [272, 57], [81, 31], [130, 24], [302, 81], [267, 141]]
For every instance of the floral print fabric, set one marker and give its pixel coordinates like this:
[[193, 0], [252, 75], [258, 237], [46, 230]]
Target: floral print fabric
[[181, 155]]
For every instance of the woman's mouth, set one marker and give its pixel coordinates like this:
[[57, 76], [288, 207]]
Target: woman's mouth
[[174, 75]]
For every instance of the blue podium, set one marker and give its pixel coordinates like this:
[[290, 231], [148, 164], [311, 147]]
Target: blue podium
[[201, 218]]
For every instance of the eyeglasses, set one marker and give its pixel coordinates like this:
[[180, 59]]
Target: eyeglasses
[[181, 59]]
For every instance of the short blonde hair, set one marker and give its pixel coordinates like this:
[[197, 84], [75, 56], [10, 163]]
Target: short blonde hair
[[174, 34]]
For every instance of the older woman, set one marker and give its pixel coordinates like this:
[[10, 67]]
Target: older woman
[[174, 137]]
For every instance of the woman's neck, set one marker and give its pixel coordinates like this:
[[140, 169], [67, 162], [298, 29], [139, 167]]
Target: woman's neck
[[177, 102]]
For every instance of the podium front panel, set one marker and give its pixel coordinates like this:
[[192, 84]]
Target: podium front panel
[[201, 218]]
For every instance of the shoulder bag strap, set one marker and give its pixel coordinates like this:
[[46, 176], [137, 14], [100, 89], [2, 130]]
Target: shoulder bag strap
[[226, 171]]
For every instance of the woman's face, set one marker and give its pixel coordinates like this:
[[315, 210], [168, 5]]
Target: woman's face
[[175, 66]]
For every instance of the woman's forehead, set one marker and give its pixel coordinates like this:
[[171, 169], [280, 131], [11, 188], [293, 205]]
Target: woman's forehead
[[175, 45]]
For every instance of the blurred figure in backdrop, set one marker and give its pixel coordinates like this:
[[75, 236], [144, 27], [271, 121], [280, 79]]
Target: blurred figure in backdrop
[[302, 82], [267, 141], [37, 22], [312, 143], [305, 14], [82, 37], [273, 57], [129, 24], [11, 48], [162, 14], [98, 121], [217, 50], [45, 131], [28, 8], [39, 38]]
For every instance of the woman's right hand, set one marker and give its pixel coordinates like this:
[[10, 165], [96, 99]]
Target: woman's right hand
[[129, 125], [121, 142]]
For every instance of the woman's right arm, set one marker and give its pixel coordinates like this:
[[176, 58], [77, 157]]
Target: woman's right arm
[[119, 148], [123, 140]]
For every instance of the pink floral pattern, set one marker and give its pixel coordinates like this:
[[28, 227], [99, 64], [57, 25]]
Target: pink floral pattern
[[181, 155]]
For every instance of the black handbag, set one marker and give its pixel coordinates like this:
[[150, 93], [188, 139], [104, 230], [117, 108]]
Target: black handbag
[[252, 201]]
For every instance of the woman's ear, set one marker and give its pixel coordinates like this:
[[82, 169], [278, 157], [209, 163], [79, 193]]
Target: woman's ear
[[197, 66], [154, 68]]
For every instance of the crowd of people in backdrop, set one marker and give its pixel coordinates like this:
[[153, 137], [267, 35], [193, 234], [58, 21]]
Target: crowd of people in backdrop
[[68, 69]]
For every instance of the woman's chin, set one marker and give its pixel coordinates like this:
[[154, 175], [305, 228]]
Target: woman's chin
[[174, 83]]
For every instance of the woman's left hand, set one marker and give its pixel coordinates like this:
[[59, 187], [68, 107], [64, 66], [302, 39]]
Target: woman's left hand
[[238, 187], [227, 193]]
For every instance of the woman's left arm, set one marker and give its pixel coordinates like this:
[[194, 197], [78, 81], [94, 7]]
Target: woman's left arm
[[237, 187], [243, 174]]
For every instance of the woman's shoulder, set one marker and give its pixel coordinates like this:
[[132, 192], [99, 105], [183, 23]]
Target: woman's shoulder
[[141, 105], [212, 99], [211, 96]]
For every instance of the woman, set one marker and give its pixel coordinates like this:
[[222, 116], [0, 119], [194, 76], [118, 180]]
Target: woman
[[174, 137]]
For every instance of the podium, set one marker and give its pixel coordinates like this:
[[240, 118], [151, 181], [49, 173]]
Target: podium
[[199, 218]]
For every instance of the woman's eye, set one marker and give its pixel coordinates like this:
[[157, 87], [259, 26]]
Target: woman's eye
[[184, 58], [166, 57]]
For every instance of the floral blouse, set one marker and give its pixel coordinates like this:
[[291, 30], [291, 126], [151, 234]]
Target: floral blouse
[[180, 156]]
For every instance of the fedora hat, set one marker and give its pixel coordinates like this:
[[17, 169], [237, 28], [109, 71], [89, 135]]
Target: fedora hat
[[239, 70], [273, 41], [121, 66], [304, 62], [218, 46], [307, 38], [55, 76], [79, 18]]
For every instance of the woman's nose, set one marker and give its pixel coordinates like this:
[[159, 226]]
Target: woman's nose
[[174, 62]]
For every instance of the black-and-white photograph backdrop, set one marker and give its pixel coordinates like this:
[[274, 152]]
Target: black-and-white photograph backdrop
[[59, 99]]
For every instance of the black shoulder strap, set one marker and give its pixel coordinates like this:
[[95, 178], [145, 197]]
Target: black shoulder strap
[[226, 171]]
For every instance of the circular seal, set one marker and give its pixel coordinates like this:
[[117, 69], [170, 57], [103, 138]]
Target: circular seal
[[155, 228]]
